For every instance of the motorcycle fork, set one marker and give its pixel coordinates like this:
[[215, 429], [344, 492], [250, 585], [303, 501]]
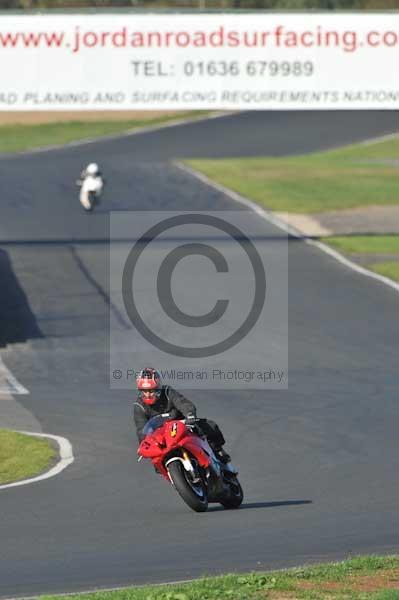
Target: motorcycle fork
[[187, 463]]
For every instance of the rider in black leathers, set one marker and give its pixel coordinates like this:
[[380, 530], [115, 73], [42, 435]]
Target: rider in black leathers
[[155, 398]]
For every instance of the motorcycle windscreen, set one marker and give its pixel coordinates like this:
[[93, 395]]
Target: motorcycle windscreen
[[155, 423]]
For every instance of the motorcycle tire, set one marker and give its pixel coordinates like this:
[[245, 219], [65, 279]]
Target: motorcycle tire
[[90, 206], [194, 496], [92, 199], [236, 495]]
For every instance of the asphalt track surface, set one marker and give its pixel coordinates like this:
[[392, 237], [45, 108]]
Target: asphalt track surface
[[318, 462]]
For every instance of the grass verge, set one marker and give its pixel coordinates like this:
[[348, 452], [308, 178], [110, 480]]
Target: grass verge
[[16, 138], [357, 175], [361, 578], [373, 245], [23, 456], [366, 244], [388, 269]]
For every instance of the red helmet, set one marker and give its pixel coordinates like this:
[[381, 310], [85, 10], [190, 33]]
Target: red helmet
[[149, 384]]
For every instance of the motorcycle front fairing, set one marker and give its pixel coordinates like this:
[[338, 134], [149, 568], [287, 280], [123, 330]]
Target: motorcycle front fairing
[[165, 437], [189, 441], [199, 449]]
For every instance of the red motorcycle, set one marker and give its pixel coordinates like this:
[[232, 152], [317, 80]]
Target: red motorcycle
[[184, 457]]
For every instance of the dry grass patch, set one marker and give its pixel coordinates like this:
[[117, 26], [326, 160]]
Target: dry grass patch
[[37, 117], [388, 579]]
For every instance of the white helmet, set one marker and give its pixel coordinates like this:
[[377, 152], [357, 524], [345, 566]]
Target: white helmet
[[92, 169]]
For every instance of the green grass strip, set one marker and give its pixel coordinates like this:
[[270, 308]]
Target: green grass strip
[[358, 175], [366, 244], [388, 269], [373, 245], [23, 456], [308, 582], [16, 138]]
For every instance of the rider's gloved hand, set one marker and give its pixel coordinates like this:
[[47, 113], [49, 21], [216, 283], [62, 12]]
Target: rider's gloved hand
[[191, 419]]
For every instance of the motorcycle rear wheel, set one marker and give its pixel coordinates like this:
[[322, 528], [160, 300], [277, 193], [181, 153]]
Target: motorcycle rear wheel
[[236, 496], [194, 495]]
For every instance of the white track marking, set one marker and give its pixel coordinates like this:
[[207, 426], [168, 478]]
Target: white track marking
[[121, 134], [8, 383], [377, 140], [271, 218], [66, 459], [348, 263], [367, 142]]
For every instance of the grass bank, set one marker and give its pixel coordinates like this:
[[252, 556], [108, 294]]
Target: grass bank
[[23, 456], [388, 269], [357, 175], [16, 138], [377, 246], [361, 578], [366, 244]]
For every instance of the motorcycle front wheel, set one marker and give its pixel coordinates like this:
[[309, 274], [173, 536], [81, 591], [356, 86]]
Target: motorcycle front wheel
[[88, 204], [92, 199], [193, 494]]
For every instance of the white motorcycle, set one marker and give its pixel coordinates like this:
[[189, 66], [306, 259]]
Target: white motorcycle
[[91, 186]]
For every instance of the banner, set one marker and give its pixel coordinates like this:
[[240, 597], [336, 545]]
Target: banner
[[196, 61]]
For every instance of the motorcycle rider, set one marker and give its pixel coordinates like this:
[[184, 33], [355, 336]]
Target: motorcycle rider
[[154, 398], [92, 170], [91, 183]]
